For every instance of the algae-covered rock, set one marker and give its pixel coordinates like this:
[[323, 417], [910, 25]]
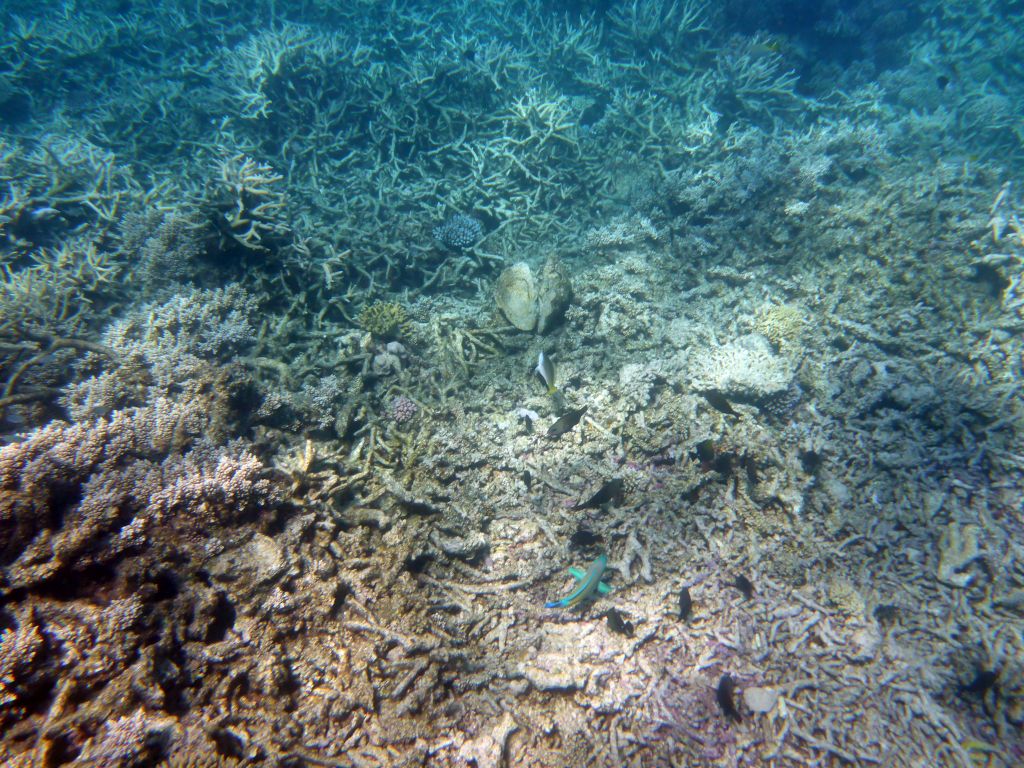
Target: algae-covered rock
[[259, 561]]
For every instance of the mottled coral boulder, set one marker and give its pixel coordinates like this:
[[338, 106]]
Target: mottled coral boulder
[[533, 302], [516, 296], [554, 293]]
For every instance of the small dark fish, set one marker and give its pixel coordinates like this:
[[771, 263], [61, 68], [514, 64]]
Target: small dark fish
[[810, 461], [527, 479], [611, 491], [984, 679], [469, 54], [618, 624], [742, 583], [942, 81], [726, 686], [566, 423], [750, 464], [705, 451], [685, 604], [886, 614], [583, 538], [720, 402]]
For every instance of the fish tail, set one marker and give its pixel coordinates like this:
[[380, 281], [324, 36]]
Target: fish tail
[[552, 390], [556, 604]]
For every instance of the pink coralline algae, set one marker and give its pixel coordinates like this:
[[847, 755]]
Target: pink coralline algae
[[402, 409]]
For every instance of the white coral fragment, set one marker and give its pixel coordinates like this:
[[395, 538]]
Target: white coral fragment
[[760, 699]]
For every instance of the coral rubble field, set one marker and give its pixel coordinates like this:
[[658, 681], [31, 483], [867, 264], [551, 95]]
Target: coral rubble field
[[332, 334]]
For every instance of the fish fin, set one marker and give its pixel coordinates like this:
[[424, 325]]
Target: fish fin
[[577, 573], [603, 588]]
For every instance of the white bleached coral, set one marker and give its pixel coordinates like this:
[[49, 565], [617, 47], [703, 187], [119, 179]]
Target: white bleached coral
[[625, 231], [746, 368], [637, 381]]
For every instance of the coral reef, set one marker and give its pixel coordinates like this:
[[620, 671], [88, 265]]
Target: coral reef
[[402, 409], [277, 485]]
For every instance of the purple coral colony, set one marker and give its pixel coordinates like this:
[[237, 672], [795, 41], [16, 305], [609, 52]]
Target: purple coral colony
[[543, 383]]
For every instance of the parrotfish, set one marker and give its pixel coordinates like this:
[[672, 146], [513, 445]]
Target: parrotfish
[[589, 584]]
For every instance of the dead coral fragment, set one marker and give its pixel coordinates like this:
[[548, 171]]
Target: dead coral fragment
[[760, 699], [130, 740]]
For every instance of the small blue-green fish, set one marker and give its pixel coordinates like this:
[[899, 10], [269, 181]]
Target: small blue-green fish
[[589, 584], [546, 370]]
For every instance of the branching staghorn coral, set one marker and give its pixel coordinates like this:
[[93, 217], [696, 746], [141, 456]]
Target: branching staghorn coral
[[58, 185], [751, 83], [658, 28], [59, 269], [251, 208]]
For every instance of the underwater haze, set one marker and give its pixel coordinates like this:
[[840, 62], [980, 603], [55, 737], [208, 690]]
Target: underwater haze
[[511, 383]]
